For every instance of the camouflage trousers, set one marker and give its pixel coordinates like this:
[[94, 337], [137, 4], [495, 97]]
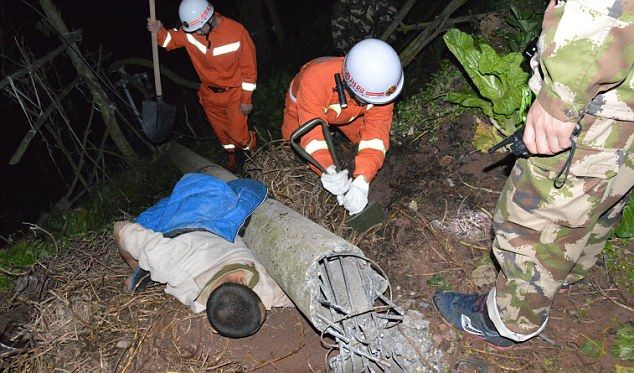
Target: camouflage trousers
[[355, 20], [547, 236]]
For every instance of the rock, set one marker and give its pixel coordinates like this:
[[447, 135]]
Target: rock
[[123, 344], [413, 205], [484, 274]]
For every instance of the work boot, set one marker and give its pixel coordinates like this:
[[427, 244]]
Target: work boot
[[252, 144], [232, 162], [241, 158], [468, 313]]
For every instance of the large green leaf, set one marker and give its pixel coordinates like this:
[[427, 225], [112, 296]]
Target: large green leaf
[[485, 136], [471, 99], [462, 45], [503, 93]]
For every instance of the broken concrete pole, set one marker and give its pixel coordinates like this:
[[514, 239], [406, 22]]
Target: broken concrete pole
[[288, 244], [333, 284]]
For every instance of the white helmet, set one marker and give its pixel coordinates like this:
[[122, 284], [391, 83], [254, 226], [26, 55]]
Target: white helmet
[[194, 14], [373, 71]]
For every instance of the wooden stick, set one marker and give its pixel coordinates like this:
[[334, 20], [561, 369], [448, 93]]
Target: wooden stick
[[38, 63], [430, 33], [450, 22], [398, 20], [41, 120]]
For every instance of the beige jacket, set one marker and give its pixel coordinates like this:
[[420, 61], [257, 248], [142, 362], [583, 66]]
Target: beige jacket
[[188, 262]]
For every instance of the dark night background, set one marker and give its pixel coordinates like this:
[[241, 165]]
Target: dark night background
[[118, 29]]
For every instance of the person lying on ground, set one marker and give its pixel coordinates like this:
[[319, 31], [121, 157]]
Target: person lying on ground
[[189, 241]]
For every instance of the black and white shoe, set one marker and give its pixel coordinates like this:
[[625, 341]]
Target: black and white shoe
[[468, 313]]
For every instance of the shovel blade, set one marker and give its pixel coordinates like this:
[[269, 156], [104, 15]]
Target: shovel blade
[[158, 118], [371, 215]]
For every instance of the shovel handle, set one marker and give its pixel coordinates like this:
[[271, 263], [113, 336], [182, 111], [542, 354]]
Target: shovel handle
[[304, 129], [155, 57]]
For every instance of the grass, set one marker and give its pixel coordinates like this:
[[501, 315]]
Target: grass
[[620, 264], [425, 112]]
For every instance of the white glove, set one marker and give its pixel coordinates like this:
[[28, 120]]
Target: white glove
[[340, 199], [357, 197], [335, 182]]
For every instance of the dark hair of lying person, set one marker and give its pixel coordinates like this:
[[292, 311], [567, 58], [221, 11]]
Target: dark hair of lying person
[[234, 310]]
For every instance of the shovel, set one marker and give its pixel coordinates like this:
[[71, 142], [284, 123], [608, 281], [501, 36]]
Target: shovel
[[158, 116], [373, 213]]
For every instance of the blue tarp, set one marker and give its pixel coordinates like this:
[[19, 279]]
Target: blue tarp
[[201, 201]]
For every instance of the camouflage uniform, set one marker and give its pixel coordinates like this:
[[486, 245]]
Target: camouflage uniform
[[547, 236], [355, 20]]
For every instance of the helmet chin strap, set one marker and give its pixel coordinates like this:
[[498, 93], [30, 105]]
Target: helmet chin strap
[[210, 22], [356, 98]]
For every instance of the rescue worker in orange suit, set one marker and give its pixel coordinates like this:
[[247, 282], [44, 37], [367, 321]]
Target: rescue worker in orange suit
[[373, 78], [223, 55]]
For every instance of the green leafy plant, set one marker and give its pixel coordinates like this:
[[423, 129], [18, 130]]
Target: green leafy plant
[[527, 25], [21, 255], [425, 112], [626, 227], [268, 103], [619, 264], [592, 348], [438, 281], [623, 347], [502, 86]]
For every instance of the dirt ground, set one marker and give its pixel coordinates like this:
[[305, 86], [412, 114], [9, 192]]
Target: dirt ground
[[440, 197]]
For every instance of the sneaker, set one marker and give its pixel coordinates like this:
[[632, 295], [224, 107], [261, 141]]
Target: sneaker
[[468, 313], [138, 280]]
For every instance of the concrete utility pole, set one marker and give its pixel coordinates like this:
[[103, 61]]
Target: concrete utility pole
[[340, 291]]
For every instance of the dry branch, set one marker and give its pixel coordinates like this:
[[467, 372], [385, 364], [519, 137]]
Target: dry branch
[[398, 20], [450, 22], [164, 71], [41, 120], [101, 99], [38, 63], [426, 36]]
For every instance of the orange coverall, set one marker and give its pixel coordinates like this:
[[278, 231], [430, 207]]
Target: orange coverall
[[227, 69], [312, 95]]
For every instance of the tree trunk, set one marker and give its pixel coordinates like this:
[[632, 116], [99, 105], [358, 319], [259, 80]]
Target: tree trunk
[[100, 97], [251, 15], [275, 19]]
